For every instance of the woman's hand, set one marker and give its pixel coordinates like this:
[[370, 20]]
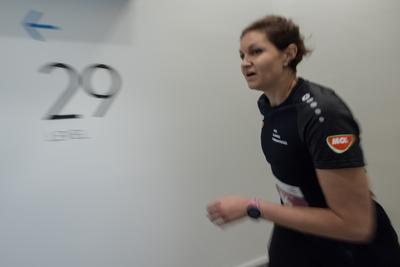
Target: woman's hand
[[227, 209]]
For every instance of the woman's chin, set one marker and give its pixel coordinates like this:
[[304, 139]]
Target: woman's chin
[[254, 87]]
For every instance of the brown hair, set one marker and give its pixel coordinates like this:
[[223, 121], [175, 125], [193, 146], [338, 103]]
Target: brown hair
[[281, 32]]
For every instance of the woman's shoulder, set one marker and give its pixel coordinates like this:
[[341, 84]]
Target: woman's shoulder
[[317, 98]]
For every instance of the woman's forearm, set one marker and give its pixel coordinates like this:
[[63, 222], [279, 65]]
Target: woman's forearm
[[316, 221]]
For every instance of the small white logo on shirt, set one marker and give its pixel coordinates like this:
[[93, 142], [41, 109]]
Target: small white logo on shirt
[[307, 98], [277, 138]]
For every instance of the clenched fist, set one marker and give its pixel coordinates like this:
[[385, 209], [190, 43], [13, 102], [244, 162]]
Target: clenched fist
[[227, 209]]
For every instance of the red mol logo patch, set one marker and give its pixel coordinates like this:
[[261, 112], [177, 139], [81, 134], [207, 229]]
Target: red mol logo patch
[[340, 143]]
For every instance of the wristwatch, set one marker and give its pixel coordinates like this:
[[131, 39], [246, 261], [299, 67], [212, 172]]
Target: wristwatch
[[253, 209]]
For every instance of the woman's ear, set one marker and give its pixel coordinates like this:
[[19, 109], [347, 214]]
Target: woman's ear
[[290, 53]]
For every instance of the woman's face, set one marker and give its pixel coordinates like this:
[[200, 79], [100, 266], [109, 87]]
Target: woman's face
[[262, 63]]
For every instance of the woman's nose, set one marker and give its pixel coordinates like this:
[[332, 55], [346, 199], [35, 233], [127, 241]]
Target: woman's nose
[[245, 62]]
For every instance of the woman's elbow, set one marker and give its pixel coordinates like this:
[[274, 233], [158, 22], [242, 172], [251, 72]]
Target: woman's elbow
[[364, 235], [364, 232]]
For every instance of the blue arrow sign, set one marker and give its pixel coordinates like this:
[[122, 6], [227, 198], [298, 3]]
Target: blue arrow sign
[[31, 25]]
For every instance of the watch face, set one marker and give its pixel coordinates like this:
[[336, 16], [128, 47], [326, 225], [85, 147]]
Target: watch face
[[253, 212]]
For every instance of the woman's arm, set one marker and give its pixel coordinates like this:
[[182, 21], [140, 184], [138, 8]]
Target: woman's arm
[[349, 216]]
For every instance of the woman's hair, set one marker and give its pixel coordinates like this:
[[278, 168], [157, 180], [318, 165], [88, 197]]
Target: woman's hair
[[281, 32]]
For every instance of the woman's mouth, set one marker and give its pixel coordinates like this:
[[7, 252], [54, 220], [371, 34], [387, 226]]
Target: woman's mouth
[[250, 75]]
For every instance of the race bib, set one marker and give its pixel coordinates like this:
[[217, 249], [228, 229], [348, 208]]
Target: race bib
[[290, 195]]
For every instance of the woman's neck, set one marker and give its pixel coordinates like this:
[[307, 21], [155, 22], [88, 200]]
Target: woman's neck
[[279, 92]]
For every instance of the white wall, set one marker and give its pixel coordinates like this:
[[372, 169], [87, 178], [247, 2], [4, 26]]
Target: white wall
[[183, 130]]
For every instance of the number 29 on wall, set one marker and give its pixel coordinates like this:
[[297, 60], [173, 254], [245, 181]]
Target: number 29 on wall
[[83, 80]]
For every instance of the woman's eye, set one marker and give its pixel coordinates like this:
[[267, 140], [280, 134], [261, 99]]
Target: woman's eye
[[257, 51]]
